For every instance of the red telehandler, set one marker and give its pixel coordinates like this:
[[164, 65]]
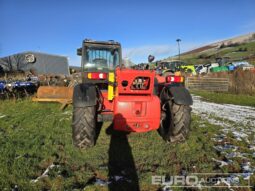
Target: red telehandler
[[135, 100]]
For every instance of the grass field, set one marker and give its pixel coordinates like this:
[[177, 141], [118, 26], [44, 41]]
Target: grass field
[[35, 139], [227, 98]]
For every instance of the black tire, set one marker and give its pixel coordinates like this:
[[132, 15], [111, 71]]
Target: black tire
[[84, 126], [175, 123]]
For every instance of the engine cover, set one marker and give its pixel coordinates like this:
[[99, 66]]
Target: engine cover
[[136, 113]]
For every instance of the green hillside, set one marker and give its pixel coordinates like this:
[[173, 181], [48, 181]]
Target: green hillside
[[233, 52]]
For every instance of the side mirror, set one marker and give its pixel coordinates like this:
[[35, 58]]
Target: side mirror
[[150, 58], [79, 51]]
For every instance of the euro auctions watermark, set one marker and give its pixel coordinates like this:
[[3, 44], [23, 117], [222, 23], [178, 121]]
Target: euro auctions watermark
[[204, 180]]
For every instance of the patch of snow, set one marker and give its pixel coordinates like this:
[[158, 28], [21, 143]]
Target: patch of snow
[[2, 116], [246, 167], [69, 112], [234, 155], [242, 115], [239, 122], [222, 148], [102, 182], [221, 163], [117, 178], [247, 175], [219, 138], [45, 173], [233, 179]]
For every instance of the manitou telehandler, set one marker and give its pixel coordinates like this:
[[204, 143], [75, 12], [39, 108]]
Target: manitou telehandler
[[135, 100]]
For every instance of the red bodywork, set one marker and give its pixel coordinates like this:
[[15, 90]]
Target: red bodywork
[[135, 108], [136, 113]]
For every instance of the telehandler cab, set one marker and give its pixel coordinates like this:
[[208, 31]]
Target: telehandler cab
[[135, 100]]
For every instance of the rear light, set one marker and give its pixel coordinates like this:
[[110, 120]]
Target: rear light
[[97, 76], [177, 79]]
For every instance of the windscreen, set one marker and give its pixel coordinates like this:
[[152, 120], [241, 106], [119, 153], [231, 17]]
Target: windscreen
[[171, 66], [101, 59]]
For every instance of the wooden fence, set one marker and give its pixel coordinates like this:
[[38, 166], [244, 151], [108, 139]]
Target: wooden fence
[[207, 83]]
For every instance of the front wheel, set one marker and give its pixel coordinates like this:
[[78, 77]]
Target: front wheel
[[175, 121], [84, 126]]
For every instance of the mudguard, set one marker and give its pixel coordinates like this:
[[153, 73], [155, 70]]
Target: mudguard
[[84, 95], [180, 95]]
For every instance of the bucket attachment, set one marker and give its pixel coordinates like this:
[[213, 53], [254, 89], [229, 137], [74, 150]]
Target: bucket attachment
[[54, 94]]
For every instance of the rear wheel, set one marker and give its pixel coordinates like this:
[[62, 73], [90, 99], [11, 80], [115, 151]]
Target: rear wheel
[[84, 126], [175, 120]]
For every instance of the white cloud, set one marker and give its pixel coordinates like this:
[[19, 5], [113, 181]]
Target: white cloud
[[148, 49], [140, 53]]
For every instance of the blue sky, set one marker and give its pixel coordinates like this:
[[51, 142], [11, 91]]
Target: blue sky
[[143, 27]]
